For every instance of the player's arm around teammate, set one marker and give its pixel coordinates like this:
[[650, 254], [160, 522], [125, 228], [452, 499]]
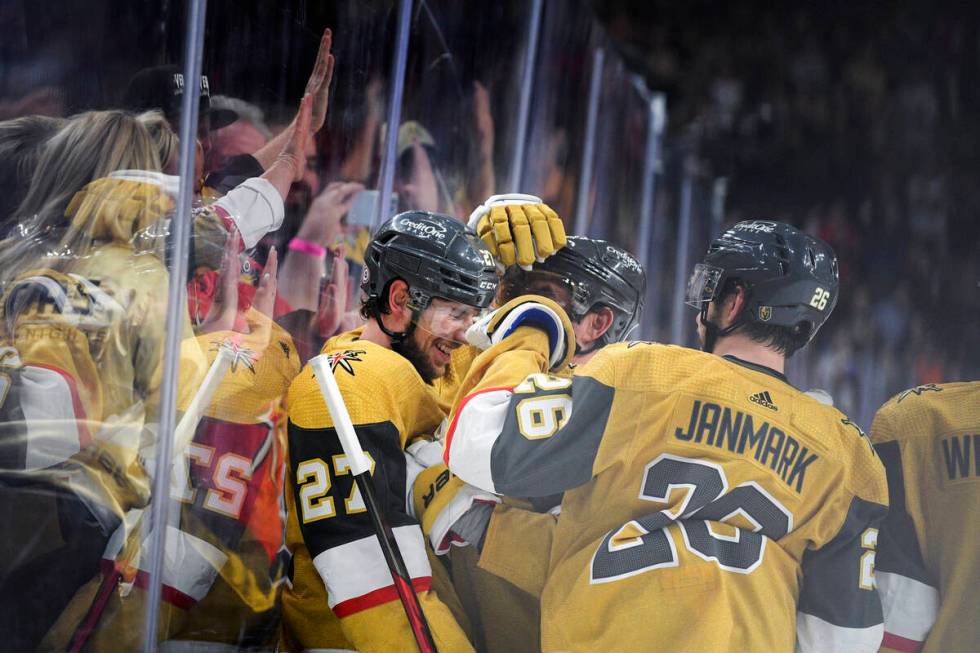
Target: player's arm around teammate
[[540, 434]]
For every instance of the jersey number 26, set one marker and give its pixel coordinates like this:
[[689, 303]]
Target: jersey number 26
[[645, 544]]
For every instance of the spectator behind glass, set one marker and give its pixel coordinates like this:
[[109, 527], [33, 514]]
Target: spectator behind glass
[[246, 135], [166, 141], [21, 143], [90, 146], [84, 298]]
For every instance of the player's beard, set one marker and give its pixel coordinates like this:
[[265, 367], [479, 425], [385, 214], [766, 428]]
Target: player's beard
[[410, 349]]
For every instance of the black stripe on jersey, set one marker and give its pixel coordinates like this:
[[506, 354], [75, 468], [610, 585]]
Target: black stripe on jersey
[[898, 544], [381, 441], [534, 468], [759, 368], [830, 588]]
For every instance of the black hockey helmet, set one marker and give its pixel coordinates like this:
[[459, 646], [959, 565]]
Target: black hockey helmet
[[596, 272], [790, 277], [435, 254]]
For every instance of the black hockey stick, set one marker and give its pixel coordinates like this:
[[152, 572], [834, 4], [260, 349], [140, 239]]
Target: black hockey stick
[[360, 467]]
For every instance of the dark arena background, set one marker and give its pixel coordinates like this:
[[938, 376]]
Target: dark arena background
[[652, 124]]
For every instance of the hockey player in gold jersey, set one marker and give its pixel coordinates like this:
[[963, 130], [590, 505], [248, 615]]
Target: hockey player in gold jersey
[[601, 287], [928, 559], [709, 505], [426, 278]]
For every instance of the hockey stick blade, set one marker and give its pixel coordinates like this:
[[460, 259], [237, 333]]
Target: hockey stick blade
[[360, 467]]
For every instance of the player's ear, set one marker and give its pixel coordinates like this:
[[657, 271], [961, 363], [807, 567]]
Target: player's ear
[[604, 318], [398, 299], [594, 325], [734, 305]]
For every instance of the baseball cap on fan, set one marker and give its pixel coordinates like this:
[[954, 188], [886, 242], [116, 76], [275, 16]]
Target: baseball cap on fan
[[162, 88]]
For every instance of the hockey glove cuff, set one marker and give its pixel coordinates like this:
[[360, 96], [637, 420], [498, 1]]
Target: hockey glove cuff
[[451, 512], [518, 229], [527, 310]]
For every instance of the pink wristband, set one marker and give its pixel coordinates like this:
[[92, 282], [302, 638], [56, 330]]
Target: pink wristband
[[307, 247]]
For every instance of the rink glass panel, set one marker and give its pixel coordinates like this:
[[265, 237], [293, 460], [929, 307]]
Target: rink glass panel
[[88, 261]]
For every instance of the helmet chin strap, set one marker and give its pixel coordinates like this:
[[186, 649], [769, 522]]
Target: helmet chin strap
[[712, 331], [398, 337]]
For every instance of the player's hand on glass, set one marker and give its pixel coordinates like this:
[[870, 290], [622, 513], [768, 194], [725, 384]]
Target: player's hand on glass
[[322, 224], [518, 229], [531, 311], [258, 319], [265, 296], [333, 298]]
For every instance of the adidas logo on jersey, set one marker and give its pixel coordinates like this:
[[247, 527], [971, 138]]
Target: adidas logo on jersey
[[763, 399]]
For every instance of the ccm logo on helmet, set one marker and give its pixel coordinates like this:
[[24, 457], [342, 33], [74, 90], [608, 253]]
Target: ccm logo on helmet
[[424, 229]]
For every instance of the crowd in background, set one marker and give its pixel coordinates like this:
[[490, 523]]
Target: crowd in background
[[855, 122], [860, 124]]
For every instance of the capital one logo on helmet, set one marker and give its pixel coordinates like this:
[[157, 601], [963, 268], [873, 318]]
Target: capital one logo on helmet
[[423, 229]]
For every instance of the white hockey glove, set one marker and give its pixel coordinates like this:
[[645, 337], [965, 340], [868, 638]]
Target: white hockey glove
[[518, 229], [451, 512], [527, 310], [419, 456]]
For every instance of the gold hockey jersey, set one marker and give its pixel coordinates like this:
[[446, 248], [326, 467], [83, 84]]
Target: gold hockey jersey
[[337, 564], [709, 505], [929, 558]]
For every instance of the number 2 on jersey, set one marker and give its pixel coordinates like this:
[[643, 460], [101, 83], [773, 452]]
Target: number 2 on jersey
[[645, 544], [314, 479]]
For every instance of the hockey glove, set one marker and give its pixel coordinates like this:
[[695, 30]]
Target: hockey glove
[[527, 310], [452, 513], [518, 229], [419, 456]]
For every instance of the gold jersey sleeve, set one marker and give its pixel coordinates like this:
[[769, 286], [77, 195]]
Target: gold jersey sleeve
[[447, 386], [707, 487], [341, 593], [929, 561]]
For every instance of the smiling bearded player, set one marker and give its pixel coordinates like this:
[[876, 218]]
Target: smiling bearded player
[[427, 277]]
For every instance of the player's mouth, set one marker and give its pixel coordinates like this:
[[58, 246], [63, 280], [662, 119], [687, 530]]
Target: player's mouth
[[442, 351]]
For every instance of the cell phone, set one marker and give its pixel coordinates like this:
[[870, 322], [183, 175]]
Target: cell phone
[[365, 206]]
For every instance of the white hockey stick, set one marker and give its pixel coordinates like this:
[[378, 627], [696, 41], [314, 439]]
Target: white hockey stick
[[185, 430], [360, 467]]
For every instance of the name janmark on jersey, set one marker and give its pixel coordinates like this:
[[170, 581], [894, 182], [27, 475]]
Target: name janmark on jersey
[[961, 453], [718, 426]]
